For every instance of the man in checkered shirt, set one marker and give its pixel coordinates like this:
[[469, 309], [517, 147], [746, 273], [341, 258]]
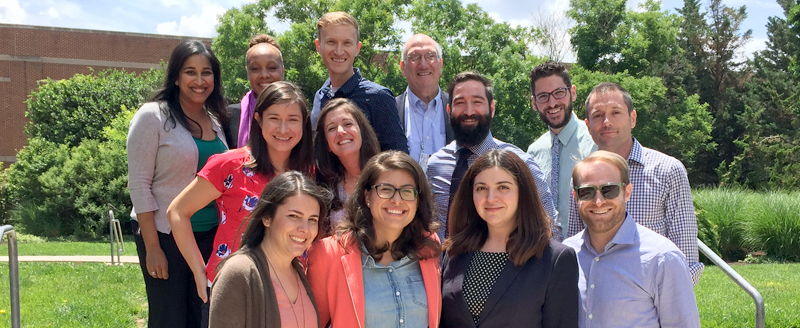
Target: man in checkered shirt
[[662, 198]]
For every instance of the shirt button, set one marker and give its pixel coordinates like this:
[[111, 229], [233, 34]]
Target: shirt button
[[596, 259], [592, 286], [401, 320], [590, 316], [390, 269], [397, 293]]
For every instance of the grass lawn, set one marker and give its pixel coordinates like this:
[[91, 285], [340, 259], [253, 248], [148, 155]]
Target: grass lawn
[[723, 304], [32, 245], [75, 295]]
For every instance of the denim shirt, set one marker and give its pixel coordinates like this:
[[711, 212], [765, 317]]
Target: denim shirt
[[394, 295]]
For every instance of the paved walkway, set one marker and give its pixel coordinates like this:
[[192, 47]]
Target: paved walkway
[[80, 258]]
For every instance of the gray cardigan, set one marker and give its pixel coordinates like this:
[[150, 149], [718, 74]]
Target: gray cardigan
[[162, 160]]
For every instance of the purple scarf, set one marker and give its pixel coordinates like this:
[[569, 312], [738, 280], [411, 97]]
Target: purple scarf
[[248, 107]]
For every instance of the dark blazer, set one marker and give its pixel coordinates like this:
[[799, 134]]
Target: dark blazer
[[541, 293], [232, 129], [401, 110]]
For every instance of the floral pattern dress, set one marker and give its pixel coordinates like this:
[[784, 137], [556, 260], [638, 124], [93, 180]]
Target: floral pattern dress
[[240, 187]]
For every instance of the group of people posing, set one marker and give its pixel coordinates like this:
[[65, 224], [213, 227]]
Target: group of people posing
[[371, 210]]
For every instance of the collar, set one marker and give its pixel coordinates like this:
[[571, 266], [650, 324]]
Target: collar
[[636, 152], [368, 262], [567, 132], [626, 235], [346, 88], [413, 99], [482, 147]]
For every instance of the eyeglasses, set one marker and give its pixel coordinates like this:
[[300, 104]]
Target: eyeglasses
[[429, 57], [387, 191], [608, 190], [544, 97]]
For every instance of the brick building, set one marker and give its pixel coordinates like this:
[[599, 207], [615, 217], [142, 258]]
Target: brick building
[[32, 53]]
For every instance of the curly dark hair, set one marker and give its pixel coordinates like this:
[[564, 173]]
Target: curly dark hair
[[546, 69], [415, 241]]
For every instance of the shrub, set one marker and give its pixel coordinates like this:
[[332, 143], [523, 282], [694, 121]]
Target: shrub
[[71, 110], [720, 217], [775, 225]]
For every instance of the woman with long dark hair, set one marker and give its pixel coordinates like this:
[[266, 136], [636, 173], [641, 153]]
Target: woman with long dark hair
[[263, 283], [385, 247], [281, 141], [501, 267], [170, 138], [344, 142]]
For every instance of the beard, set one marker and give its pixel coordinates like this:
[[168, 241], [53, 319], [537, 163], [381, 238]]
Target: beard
[[557, 125], [470, 136]]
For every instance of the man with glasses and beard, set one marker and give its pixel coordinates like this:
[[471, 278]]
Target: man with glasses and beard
[[629, 275], [662, 199], [471, 109], [567, 141]]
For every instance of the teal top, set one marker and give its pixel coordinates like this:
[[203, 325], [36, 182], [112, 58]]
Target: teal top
[[206, 218]]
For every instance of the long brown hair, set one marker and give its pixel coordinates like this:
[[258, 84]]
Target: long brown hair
[[468, 231], [300, 159], [415, 240], [329, 168]]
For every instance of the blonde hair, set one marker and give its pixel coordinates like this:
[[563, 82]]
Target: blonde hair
[[603, 156], [337, 18]]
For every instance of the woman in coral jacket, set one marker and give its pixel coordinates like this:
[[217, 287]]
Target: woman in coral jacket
[[381, 267]]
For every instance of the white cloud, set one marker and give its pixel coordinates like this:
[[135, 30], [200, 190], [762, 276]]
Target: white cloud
[[11, 12], [201, 25], [169, 3], [53, 13], [755, 44]]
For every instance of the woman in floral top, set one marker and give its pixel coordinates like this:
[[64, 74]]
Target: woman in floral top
[[236, 178]]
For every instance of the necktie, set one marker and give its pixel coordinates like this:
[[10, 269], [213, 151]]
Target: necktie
[[554, 168], [458, 173]]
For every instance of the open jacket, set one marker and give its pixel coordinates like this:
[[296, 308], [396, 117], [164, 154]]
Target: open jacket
[[337, 281]]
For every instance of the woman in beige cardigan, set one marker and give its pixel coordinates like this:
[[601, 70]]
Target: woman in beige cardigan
[[263, 284]]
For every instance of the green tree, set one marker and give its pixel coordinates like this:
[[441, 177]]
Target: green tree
[[594, 35], [71, 110]]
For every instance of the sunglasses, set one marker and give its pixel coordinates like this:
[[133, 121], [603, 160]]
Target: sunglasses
[[608, 190]]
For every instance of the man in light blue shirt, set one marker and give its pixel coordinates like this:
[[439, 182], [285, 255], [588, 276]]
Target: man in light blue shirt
[[422, 106], [629, 276], [568, 139]]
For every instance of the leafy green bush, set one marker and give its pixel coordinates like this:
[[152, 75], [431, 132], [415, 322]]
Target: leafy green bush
[[775, 225], [62, 191], [71, 110]]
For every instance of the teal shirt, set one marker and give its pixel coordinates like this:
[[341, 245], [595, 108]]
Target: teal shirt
[[576, 144], [206, 218]]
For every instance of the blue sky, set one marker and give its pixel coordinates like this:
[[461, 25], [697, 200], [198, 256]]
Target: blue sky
[[198, 17]]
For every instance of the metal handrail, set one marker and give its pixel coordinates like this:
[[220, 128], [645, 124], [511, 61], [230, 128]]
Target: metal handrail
[[13, 272], [736, 277], [115, 236]]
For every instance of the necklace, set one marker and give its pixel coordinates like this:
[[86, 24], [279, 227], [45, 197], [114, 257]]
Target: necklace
[[297, 280]]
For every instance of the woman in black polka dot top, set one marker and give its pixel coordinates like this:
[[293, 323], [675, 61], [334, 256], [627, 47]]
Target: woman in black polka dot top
[[501, 268]]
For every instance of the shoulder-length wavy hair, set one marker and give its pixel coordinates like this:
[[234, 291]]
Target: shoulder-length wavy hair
[[468, 231], [169, 93], [276, 192], [300, 159], [330, 170], [415, 241]]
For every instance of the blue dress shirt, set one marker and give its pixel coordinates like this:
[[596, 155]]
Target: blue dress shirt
[[443, 162], [576, 144], [424, 128], [639, 280], [375, 101], [661, 201]]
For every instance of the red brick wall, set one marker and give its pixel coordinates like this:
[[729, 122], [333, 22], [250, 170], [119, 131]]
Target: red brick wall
[[32, 53]]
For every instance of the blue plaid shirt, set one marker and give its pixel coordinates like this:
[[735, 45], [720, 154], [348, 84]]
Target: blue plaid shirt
[[440, 172], [661, 201]]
